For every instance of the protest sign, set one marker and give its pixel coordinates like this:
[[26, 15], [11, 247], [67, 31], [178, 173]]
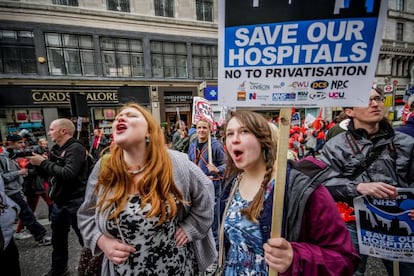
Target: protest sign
[[289, 53], [279, 53], [384, 228]]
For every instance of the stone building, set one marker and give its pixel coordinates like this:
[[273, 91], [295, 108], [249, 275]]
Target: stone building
[[159, 53]]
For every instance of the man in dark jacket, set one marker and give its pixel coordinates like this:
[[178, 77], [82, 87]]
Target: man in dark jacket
[[369, 159], [67, 170], [408, 128], [98, 142]]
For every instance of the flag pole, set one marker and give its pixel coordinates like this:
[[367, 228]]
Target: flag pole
[[279, 174], [210, 152]]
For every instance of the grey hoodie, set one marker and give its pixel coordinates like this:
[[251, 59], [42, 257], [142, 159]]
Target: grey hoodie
[[9, 171]]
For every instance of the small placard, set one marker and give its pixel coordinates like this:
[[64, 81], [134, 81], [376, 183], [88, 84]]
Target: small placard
[[21, 116]]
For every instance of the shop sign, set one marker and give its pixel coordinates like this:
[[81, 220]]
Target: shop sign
[[61, 96], [178, 98]]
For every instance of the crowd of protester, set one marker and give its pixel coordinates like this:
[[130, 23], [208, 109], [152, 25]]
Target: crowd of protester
[[200, 201]]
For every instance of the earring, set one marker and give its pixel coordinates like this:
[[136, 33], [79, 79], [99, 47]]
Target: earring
[[147, 140]]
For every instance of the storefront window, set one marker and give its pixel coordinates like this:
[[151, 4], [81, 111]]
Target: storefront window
[[122, 57], [26, 122], [17, 52], [70, 54]]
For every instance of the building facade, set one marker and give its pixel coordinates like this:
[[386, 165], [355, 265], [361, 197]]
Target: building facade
[[395, 69], [159, 53], [156, 53]]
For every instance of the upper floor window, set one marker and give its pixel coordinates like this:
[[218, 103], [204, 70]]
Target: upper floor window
[[70, 54], [204, 59], [122, 57], [164, 8], [204, 9], [118, 5], [400, 31], [17, 52], [169, 59], [66, 2], [399, 5]]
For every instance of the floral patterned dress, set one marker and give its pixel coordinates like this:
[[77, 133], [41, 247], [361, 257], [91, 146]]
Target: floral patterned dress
[[157, 252], [245, 255]]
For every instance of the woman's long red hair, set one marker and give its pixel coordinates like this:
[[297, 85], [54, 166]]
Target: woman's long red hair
[[157, 185]]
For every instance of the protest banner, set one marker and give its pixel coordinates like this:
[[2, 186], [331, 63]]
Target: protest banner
[[316, 58], [278, 53], [384, 228]]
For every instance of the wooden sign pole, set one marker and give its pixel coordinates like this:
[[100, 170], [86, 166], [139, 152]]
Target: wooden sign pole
[[279, 174]]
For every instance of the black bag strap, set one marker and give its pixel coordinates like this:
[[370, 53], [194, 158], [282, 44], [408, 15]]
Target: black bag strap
[[366, 161]]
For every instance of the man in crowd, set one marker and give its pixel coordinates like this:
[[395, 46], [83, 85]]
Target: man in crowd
[[369, 159], [408, 127], [67, 168], [198, 152], [12, 175], [98, 143]]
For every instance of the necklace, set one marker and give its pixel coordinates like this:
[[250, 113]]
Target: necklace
[[134, 172]]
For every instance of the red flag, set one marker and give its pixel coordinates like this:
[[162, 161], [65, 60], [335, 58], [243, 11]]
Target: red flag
[[317, 123], [405, 113]]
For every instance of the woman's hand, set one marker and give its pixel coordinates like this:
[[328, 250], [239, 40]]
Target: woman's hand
[[180, 237], [278, 254], [116, 251]]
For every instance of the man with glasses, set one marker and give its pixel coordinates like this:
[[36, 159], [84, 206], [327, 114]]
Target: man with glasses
[[369, 159]]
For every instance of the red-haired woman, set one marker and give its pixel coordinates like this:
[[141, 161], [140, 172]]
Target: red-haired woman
[[148, 209]]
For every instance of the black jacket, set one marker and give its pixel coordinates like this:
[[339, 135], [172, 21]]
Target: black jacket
[[68, 171]]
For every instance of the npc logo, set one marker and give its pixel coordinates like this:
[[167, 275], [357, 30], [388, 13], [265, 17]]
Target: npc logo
[[339, 84]]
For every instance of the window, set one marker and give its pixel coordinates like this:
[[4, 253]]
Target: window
[[399, 5], [118, 5], [204, 9], [70, 54], [400, 32], [164, 8], [17, 52], [169, 59], [66, 2], [122, 57], [204, 59]]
